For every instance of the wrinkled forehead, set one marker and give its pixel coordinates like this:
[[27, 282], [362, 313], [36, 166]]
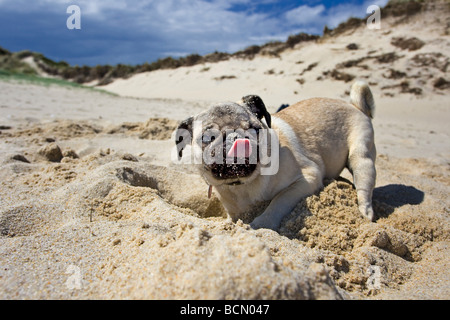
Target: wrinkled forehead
[[228, 115], [228, 110]]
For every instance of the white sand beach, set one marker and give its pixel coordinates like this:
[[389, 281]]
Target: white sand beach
[[92, 207]]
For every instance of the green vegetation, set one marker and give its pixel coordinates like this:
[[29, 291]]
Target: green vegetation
[[12, 65], [43, 81], [33, 78]]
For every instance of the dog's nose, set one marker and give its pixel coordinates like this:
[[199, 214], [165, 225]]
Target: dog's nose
[[241, 148]]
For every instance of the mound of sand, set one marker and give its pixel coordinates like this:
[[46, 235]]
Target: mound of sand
[[104, 223], [132, 234]]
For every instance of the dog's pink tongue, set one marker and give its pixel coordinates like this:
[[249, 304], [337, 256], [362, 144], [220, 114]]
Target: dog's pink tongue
[[241, 149]]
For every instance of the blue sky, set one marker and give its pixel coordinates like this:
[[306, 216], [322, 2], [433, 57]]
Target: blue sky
[[134, 32]]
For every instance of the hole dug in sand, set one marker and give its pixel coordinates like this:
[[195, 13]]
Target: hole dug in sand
[[136, 179], [140, 184], [327, 222], [154, 231]]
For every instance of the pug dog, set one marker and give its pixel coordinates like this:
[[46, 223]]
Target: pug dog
[[250, 157]]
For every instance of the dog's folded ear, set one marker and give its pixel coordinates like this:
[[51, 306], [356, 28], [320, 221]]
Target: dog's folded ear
[[256, 105], [183, 135]]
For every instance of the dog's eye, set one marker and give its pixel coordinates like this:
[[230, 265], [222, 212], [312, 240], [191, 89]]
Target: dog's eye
[[208, 138], [253, 133]]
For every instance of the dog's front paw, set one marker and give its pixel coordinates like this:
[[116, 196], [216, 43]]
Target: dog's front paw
[[263, 222]]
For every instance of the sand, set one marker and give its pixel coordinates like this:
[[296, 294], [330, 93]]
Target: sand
[[92, 207]]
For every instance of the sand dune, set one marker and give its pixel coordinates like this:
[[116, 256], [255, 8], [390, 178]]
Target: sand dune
[[92, 207], [404, 58]]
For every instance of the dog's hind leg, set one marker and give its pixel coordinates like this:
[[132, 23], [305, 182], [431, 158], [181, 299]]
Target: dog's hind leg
[[362, 165]]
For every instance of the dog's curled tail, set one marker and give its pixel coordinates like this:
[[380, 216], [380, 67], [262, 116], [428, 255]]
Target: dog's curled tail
[[361, 97]]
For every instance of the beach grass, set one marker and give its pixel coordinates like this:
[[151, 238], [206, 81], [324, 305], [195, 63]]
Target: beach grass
[[18, 77]]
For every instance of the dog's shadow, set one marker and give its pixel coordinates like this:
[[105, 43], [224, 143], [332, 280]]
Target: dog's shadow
[[387, 198]]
